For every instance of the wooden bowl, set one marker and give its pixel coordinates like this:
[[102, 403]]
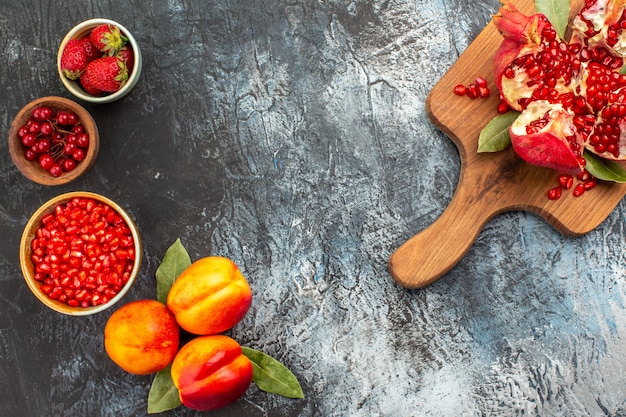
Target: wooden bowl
[[28, 267], [31, 169], [74, 86]]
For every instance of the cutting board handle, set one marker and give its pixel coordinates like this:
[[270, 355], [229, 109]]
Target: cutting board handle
[[435, 250]]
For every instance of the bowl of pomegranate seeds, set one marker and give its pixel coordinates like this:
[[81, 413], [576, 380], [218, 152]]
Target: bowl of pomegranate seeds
[[80, 253], [53, 140], [99, 61]]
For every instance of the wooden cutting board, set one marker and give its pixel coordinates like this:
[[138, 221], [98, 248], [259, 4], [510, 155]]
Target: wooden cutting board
[[489, 183]]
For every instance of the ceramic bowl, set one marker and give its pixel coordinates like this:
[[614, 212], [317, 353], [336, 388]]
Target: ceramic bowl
[[74, 87], [32, 169], [28, 266]]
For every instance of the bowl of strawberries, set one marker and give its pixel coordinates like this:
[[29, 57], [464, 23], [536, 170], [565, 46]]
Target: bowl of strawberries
[[99, 61]]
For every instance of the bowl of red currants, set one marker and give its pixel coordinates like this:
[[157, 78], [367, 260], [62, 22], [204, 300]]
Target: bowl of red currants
[[99, 61], [53, 140], [80, 253]]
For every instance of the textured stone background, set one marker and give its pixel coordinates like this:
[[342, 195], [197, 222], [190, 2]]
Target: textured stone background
[[292, 137]]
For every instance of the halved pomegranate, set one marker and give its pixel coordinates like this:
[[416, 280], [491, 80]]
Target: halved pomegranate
[[545, 135]]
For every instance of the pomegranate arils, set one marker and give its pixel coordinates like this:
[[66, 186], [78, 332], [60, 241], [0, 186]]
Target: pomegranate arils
[[83, 253], [579, 190], [479, 88], [571, 95], [566, 181], [554, 193], [46, 136], [460, 90]]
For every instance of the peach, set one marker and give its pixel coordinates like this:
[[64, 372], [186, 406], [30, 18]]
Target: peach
[[210, 296], [210, 372], [142, 337]]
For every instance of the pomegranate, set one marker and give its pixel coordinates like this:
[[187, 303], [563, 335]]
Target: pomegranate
[[571, 95], [601, 24], [531, 62], [544, 134]]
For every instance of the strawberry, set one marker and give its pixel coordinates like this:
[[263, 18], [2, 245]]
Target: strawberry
[[107, 74], [107, 38], [73, 59], [90, 49], [126, 53], [89, 89]]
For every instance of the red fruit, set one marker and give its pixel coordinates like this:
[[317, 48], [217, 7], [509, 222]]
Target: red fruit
[[608, 138], [544, 135], [90, 49], [73, 59], [520, 68], [127, 55], [571, 95], [90, 89], [460, 90], [107, 38], [106, 74], [566, 181], [554, 193], [210, 372], [46, 161], [68, 164], [74, 252], [601, 24]]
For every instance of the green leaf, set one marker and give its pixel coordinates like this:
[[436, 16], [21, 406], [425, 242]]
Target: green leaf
[[163, 394], [272, 376], [623, 70], [604, 169], [557, 12], [175, 261], [495, 135]]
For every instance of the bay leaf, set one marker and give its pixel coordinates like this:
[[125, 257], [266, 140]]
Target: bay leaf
[[494, 137], [557, 12], [163, 393], [604, 169], [175, 261], [272, 376]]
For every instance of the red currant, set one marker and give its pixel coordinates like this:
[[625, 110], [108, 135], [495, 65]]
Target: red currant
[[30, 155], [43, 145], [46, 128], [56, 170], [78, 154], [28, 140], [42, 113], [68, 164], [34, 127], [56, 140], [46, 161], [82, 140]]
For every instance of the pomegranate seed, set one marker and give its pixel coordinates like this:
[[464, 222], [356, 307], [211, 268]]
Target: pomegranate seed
[[481, 82], [566, 181], [460, 90], [472, 91], [554, 193], [588, 185], [579, 190]]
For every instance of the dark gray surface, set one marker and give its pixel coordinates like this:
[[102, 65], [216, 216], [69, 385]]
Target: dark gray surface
[[292, 137]]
